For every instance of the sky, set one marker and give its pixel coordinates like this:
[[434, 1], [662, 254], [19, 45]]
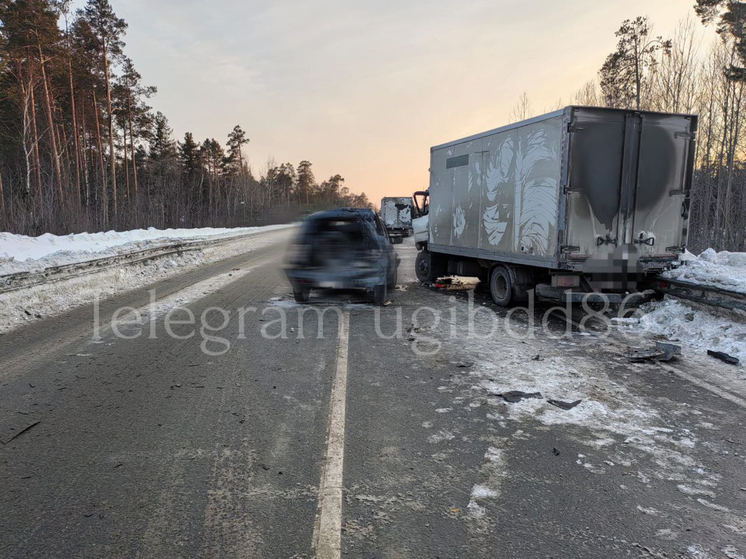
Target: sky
[[364, 89]]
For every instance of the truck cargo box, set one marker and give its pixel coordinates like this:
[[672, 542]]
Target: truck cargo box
[[566, 190], [396, 214]]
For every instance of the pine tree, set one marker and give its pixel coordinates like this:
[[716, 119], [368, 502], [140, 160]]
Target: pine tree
[[625, 74], [236, 139], [162, 145], [306, 181], [189, 156], [730, 16], [132, 113], [107, 30]]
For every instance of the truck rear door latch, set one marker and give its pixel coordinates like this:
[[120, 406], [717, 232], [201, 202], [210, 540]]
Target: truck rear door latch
[[606, 241], [650, 241]]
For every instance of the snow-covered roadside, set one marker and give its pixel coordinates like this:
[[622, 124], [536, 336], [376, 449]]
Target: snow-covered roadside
[[19, 253], [699, 327], [46, 300], [726, 270], [696, 326]]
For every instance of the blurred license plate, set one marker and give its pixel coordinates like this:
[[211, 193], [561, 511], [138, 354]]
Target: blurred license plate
[[330, 284]]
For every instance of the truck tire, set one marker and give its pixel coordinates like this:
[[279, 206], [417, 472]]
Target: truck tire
[[429, 266], [380, 293], [501, 286], [302, 295]]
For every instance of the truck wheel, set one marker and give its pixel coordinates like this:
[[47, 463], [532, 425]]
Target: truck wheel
[[501, 286], [302, 295], [379, 294], [429, 267]]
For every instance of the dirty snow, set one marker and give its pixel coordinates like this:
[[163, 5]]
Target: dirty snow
[[726, 270], [696, 326], [19, 253], [50, 299]]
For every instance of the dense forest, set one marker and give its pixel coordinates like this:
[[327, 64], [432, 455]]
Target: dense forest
[[81, 149], [680, 74]]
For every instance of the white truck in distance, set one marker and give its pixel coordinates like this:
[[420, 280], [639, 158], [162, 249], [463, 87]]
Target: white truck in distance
[[396, 214]]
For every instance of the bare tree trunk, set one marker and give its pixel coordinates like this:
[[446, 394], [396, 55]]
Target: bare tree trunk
[[638, 80], [111, 127], [132, 144], [36, 149], [733, 145], [2, 196], [50, 120], [126, 163], [75, 132], [84, 161], [28, 145], [104, 193]]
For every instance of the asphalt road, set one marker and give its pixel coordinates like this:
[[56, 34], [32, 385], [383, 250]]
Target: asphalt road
[[214, 443]]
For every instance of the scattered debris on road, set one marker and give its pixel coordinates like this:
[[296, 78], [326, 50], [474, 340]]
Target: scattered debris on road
[[26, 429], [660, 352], [564, 405], [515, 396], [456, 283], [724, 357]]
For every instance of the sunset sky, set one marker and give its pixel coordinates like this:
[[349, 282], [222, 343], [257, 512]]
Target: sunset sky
[[364, 89]]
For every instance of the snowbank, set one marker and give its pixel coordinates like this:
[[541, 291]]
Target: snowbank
[[22, 306], [726, 270], [700, 328], [19, 253]]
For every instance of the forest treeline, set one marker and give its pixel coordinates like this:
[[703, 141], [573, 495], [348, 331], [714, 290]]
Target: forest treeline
[[680, 74], [82, 150]]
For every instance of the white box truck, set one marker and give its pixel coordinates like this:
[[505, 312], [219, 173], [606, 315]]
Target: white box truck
[[396, 214], [581, 200]]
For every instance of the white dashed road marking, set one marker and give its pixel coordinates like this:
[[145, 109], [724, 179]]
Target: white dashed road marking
[[327, 537]]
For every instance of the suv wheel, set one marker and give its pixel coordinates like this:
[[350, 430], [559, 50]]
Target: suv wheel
[[380, 292], [302, 295]]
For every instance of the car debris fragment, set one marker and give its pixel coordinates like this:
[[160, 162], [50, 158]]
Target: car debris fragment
[[26, 429], [660, 352], [724, 357], [515, 396], [456, 283], [564, 405]]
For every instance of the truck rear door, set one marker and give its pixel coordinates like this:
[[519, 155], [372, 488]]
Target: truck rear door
[[627, 182]]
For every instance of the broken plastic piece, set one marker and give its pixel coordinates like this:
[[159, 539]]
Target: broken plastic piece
[[724, 357], [661, 352], [515, 396], [564, 405], [26, 429]]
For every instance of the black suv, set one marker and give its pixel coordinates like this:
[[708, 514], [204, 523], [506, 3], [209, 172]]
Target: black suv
[[342, 249]]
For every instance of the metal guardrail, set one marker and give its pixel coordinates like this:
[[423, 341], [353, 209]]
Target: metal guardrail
[[22, 280], [705, 294]]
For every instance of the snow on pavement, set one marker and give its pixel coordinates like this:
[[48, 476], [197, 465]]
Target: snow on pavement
[[19, 253], [611, 416]]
